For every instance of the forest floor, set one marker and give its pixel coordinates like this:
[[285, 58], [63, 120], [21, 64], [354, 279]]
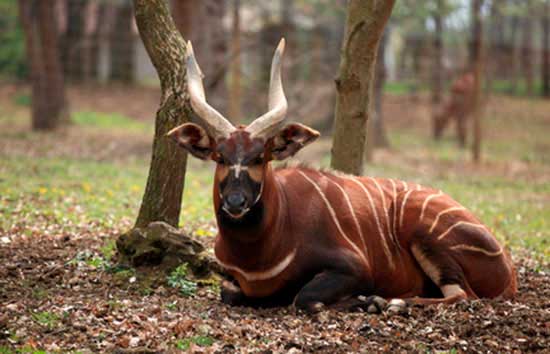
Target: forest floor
[[64, 197]]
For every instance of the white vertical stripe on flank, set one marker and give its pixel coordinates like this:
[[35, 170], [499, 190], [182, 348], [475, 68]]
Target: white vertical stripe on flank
[[384, 208], [448, 210], [405, 185], [458, 224], [394, 190], [334, 218], [375, 213], [426, 201], [352, 212], [402, 211], [418, 187]]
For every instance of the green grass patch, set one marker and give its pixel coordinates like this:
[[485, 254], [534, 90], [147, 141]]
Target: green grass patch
[[201, 341], [110, 121]]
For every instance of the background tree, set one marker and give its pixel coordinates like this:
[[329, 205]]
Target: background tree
[[354, 85], [545, 48], [49, 105], [122, 55], [476, 64], [235, 78], [438, 14]]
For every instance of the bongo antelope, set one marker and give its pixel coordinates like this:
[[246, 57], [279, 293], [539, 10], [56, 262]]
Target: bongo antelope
[[457, 107], [318, 238]]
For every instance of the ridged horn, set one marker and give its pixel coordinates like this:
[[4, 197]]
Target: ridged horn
[[216, 124], [268, 123]]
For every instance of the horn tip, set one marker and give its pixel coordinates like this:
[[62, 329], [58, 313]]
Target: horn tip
[[189, 48], [281, 46]]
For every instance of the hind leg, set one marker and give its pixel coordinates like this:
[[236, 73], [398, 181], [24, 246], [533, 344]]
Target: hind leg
[[444, 271]]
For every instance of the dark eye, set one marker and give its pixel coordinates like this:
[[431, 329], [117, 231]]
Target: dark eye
[[220, 160]]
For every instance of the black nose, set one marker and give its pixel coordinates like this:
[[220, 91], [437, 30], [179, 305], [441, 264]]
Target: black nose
[[235, 201]]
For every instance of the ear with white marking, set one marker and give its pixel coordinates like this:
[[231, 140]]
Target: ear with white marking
[[291, 139], [194, 139]]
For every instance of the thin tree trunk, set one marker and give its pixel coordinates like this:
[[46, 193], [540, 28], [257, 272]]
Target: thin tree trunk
[[122, 45], [235, 84], [379, 136], [437, 66], [163, 193], [527, 49], [516, 51], [184, 12], [545, 48], [364, 27], [476, 60], [49, 105]]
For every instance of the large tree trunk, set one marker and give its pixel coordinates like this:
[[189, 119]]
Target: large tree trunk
[[49, 105], [545, 48], [354, 85], [163, 193], [476, 62], [235, 83]]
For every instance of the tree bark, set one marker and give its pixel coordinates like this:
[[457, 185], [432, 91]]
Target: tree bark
[[166, 48], [364, 27], [545, 48], [49, 105], [476, 62], [235, 83]]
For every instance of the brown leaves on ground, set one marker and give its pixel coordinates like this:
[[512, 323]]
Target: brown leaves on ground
[[53, 299]]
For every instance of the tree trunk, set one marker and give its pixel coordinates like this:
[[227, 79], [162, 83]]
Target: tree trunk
[[516, 51], [364, 27], [437, 66], [163, 193], [527, 49], [71, 42], [476, 62], [235, 83], [49, 105], [184, 12], [545, 48], [122, 45]]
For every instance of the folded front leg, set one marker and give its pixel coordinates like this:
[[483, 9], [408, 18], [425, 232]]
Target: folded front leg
[[328, 288]]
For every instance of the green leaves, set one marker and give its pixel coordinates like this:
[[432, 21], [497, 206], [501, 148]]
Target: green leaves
[[178, 278]]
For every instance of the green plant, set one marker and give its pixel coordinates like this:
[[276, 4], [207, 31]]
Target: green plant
[[178, 279], [46, 319], [201, 341]]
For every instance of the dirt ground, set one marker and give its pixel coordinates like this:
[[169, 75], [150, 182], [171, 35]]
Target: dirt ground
[[90, 309]]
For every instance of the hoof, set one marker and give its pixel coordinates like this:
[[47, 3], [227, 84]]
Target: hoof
[[309, 307], [397, 306], [230, 294], [372, 304]]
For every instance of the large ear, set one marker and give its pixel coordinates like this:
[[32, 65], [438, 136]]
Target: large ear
[[194, 139], [291, 139]]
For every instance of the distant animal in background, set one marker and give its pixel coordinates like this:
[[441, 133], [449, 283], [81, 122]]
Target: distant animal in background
[[318, 238], [458, 107]]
